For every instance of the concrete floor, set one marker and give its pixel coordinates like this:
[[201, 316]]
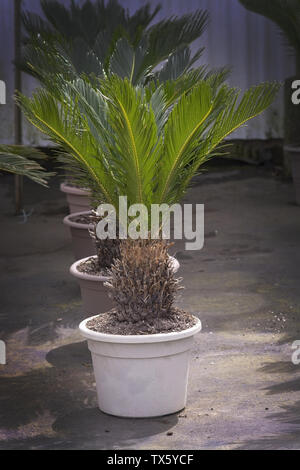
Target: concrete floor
[[244, 285]]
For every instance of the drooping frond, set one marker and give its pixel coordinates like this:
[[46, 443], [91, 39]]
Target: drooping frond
[[200, 134], [15, 159], [65, 125]]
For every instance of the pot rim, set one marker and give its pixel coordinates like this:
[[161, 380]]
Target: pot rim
[[67, 220], [134, 339], [85, 276], [65, 188], [98, 277]]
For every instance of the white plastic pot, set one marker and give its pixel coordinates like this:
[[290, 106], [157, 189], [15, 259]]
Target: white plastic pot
[[94, 294], [82, 242], [294, 156], [141, 376], [79, 199]]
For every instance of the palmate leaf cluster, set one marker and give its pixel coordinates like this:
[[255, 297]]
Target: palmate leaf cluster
[[143, 142]]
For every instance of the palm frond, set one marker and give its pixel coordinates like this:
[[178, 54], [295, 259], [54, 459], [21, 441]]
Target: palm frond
[[168, 35], [134, 141], [15, 159], [227, 113], [178, 63], [135, 150], [126, 61], [186, 123], [64, 125]]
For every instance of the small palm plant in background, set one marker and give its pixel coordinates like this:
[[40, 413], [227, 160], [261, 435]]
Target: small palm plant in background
[[99, 37], [286, 15], [124, 140]]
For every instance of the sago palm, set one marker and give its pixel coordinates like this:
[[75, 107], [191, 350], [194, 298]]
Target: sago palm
[[138, 141]]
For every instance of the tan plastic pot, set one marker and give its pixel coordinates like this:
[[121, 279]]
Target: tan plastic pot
[[141, 376], [94, 294], [79, 199], [82, 242], [293, 153]]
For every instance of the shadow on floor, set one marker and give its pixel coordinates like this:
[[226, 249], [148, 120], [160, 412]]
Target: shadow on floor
[[66, 392], [289, 417]]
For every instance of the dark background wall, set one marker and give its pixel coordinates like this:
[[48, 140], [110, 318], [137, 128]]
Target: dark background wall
[[249, 43]]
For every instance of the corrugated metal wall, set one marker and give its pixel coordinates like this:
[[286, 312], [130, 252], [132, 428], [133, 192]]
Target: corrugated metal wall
[[236, 37]]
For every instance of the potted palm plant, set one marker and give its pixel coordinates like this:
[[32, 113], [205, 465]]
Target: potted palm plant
[[92, 109], [122, 139], [141, 348], [287, 16]]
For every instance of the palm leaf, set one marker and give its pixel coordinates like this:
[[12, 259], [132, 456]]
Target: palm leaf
[[14, 159], [126, 140], [66, 127], [136, 148], [198, 141]]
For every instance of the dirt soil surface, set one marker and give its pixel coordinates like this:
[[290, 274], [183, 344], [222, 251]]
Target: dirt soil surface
[[244, 390]]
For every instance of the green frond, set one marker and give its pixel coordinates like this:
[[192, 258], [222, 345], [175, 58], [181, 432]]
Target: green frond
[[65, 125], [186, 123], [15, 159], [178, 63], [168, 35], [126, 61], [142, 142], [227, 114], [135, 149]]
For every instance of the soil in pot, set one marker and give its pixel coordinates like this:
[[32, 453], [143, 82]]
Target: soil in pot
[[177, 320]]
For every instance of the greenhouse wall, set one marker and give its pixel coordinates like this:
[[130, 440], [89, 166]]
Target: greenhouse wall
[[250, 44]]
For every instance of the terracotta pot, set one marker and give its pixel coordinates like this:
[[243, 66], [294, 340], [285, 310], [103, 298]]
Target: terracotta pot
[[293, 153], [79, 199], [82, 242], [141, 376], [93, 292]]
